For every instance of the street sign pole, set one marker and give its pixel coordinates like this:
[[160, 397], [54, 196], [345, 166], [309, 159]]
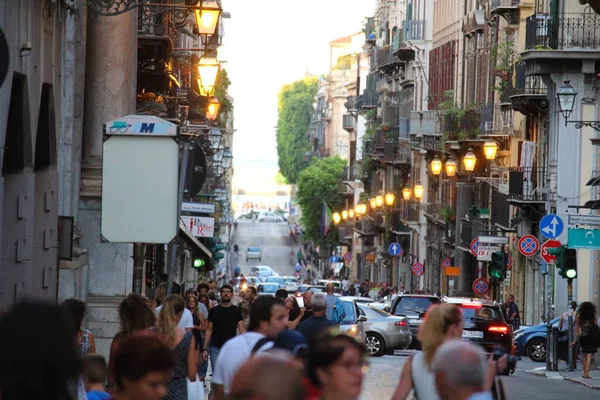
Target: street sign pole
[[172, 249], [570, 321]]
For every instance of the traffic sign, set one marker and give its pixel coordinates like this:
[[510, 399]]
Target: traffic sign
[[348, 256], [577, 219], [528, 245], [551, 226], [481, 286], [584, 239], [549, 258], [474, 244], [509, 261], [446, 262], [395, 250], [333, 259], [484, 252], [417, 269], [493, 239]]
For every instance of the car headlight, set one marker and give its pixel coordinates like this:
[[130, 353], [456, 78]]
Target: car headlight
[[353, 330]]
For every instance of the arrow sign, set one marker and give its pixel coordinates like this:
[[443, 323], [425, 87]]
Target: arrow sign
[[551, 226], [395, 249]]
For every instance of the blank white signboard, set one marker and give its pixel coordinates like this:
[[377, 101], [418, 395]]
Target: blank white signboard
[[139, 189]]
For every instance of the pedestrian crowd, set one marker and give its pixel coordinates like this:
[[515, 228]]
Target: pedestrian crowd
[[258, 347]]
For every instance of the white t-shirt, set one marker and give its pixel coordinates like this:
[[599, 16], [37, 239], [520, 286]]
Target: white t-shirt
[[236, 351], [186, 321]]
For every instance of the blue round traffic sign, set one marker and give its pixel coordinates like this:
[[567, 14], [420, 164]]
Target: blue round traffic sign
[[551, 226], [395, 249], [481, 286]]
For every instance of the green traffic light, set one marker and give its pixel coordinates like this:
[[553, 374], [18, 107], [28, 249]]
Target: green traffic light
[[496, 274], [199, 263], [571, 273]]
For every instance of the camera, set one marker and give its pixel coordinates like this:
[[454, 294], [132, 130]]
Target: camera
[[510, 359]]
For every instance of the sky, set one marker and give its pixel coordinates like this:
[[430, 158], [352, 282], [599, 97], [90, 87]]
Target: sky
[[269, 43]]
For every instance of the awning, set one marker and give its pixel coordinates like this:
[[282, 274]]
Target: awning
[[192, 240]]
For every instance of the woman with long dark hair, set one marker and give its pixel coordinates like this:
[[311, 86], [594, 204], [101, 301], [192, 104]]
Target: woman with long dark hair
[[84, 337], [588, 333]]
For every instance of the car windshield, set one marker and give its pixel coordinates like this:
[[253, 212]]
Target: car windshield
[[350, 316], [414, 305], [290, 280], [369, 309], [275, 279], [484, 312], [269, 288], [253, 249]]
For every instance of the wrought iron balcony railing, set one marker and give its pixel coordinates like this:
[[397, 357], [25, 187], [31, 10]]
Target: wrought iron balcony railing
[[348, 122], [414, 29], [565, 32], [528, 184]]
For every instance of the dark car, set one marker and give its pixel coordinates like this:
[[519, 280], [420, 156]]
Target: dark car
[[413, 307], [531, 341], [484, 324]]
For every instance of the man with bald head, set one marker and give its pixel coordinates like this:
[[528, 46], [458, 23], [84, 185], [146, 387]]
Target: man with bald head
[[308, 311], [460, 372], [268, 377]]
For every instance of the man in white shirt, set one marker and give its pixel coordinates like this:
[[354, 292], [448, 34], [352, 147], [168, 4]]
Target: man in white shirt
[[187, 320], [267, 319]]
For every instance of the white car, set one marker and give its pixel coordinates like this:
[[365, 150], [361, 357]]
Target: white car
[[270, 217]]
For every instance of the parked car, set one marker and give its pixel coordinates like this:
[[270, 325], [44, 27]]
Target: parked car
[[384, 333], [267, 288], [353, 322], [269, 217], [291, 284], [254, 253], [531, 341], [484, 325], [336, 284], [413, 307], [276, 279], [262, 271]]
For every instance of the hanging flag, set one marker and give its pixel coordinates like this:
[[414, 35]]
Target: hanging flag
[[326, 219]]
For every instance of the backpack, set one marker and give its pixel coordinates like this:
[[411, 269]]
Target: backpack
[[339, 313], [261, 342]]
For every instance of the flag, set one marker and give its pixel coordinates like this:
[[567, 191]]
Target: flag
[[326, 218]]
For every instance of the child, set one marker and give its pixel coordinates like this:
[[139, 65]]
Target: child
[[94, 377]]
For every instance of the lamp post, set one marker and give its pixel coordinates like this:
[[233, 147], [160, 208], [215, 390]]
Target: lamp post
[[373, 203], [419, 191], [208, 71], [436, 166], [490, 147], [215, 136], [406, 193], [566, 95], [345, 215], [379, 201], [336, 218], [212, 111], [207, 19], [227, 158], [390, 198], [469, 161], [450, 167]]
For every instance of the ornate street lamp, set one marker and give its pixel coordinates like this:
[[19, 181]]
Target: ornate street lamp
[[345, 215], [212, 111], [218, 157], [490, 147], [215, 136], [566, 95], [208, 70], [390, 198], [419, 191], [469, 161], [373, 203], [406, 193], [436, 166], [207, 19], [450, 167], [351, 213], [379, 200], [227, 158], [336, 218]]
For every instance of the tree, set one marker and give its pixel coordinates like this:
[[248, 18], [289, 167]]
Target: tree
[[318, 183], [295, 113]]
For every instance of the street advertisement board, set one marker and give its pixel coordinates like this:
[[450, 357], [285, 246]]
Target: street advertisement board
[[200, 226]]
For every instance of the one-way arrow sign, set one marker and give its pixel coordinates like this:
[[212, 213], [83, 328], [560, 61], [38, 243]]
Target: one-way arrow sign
[[551, 226]]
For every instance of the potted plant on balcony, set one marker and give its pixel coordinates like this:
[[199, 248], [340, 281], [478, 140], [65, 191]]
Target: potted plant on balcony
[[447, 214], [506, 55]]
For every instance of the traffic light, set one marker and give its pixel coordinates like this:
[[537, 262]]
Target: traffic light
[[497, 267], [216, 251], [559, 253], [570, 263], [201, 262]]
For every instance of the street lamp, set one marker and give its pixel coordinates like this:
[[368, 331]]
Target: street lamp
[[351, 213], [373, 203], [389, 199], [218, 157], [566, 99], [208, 70], [345, 215], [490, 147], [406, 193], [207, 18], [451, 166], [227, 158], [469, 161], [379, 201], [436, 166], [212, 111], [419, 191], [215, 136], [336, 218]]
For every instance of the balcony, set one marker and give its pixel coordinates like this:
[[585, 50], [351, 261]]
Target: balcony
[[462, 127], [351, 173], [424, 123], [529, 96], [400, 48], [366, 227], [408, 212], [384, 59], [527, 185], [507, 9], [348, 122], [414, 30], [370, 37], [387, 137], [399, 155], [368, 100], [567, 32], [346, 232], [351, 104], [368, 147]]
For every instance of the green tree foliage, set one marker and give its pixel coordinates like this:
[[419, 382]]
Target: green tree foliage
[[280, 179], [295, 112], [316, 183]]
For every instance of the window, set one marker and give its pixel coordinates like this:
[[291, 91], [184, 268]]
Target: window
[[275, 279], [414, 305], [490, 313], [350, 317], [374, 312]]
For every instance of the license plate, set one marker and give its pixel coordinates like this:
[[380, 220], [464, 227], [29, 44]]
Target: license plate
[[472, 334], [415, 321]]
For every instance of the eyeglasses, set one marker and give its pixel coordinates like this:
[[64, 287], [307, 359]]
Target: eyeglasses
[[226, 292]]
